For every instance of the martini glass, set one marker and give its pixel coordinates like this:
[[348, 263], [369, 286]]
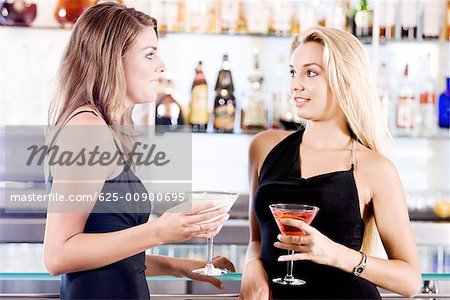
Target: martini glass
[[306, 213], [220, 199]]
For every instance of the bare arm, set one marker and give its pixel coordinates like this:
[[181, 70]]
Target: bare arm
[[255, 283], [401, 272], [68, 249]]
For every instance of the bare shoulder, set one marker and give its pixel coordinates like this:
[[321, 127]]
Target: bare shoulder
[[87, 129], [374, 165], [262, 143], [86, 118]]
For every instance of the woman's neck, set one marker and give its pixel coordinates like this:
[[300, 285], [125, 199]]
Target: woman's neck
[[330, 134]]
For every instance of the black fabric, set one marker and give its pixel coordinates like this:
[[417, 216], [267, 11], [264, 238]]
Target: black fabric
[[339, 218], [124, 279]]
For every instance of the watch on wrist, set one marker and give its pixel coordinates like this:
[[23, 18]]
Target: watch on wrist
[[359, 269]]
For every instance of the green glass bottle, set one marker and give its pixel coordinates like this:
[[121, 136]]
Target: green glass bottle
[[363, 22]]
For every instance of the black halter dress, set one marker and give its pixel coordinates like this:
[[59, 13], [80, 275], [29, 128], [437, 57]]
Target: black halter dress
[[339, 218], [124, 279]]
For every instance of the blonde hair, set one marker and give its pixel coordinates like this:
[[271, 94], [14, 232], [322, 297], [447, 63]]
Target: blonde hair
[[91, 71], [351, 82]]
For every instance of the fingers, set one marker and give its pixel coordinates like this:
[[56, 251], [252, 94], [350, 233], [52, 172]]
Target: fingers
[[295, 240], [213, 225], [206, 216], [209, 234], [207, 230], [289, 247], [224, 263], [296, 256], [297, 223], [201, 206], [212, 280]]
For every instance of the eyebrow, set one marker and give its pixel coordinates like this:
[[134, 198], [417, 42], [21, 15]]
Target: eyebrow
[[307, 65], [150, 47]]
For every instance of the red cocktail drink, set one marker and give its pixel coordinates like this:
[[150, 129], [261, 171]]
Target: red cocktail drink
[[306, 213]]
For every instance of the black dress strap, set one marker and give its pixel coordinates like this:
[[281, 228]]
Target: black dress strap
[[353, 154], [79, 112]]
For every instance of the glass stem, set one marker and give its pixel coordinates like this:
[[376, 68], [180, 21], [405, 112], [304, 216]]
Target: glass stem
[[290, 266], [210, 252]]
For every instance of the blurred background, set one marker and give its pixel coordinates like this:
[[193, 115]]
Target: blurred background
[[227, 79]]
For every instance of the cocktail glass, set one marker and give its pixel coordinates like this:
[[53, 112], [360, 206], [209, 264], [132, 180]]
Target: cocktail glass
[[306, 213], [220, 199]]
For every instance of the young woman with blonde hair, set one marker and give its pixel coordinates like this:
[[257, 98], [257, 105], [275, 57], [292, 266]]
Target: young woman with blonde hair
[[110, 64], [334, 162]]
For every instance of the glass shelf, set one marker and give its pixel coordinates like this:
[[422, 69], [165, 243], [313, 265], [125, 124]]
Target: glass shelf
[[442, 134], [255, 35], [226, 277]]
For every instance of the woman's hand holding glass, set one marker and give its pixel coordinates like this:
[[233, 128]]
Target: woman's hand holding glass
[[218, 261], [172, 227], [313, 245]]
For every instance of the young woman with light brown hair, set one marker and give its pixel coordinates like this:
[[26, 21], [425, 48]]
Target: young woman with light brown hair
[[334, 162], [110, 64]]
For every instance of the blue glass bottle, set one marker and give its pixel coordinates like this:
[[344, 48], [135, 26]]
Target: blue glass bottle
[[444, 107]]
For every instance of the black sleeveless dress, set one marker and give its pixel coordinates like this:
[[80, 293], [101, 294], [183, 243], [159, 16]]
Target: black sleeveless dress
[[339, 218], [124, 279]]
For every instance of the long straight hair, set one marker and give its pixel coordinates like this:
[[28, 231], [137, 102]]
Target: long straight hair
[[352, 85], [91, 70]]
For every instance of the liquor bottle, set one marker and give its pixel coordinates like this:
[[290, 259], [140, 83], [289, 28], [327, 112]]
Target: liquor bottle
[[444, 107], [363, 20], [280, 88], [224, 102], [181, 16], [336, 15], [408, 19], [271, 26], [254, 111], [18, 13], [213, 18], [229, 12], [432, 20], [447, 22], [308, 15], [295, 24], [159, 12], [196, 16], [67, 12], [387, 20], [257, 17], [198, 115], [349, 16], [169, 15], [427, 106], [241, 22], [168, 112], [405, 104], [281, 22], [384, 93]]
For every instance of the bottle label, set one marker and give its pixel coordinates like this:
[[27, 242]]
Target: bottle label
[[199, 105], [282, 11], [229, 14], [255, 114], [363, 19], [432, 18], [258, 17], [405, 112], [224, 116], [387, 13], [409, 13], [336, 18]]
